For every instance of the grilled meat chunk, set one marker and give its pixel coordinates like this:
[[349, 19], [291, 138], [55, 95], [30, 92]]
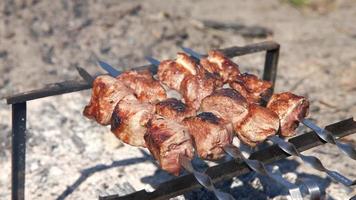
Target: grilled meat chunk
[[145, 87], [195, 88], [226, 103], [217, 63], [291, 109], [106, 93], [252, 88], [129, 120], [172, 72], [257, 125], [209, 134], [167, 139], [174, 109]]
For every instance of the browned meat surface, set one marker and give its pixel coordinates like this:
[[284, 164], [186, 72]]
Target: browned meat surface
[[226, 103], [172, 72], [167, 139], [195, 88], [255, 90], [145, 87], [217, 63], [174, 109], [290, 109], [257, 125], [106, 93], [210, 135], [129, 120]]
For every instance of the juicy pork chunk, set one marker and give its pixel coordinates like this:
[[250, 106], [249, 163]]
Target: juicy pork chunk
[[227, 104], [252, 88], [291, 109], [172, 72], [145, 87], [257, 125], [217, 63], [167, 139], [129, 120], [174, 109], [209, 134], [106, 93], [195, 88]]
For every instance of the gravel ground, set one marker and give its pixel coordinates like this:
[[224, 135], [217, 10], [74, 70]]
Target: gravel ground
[[69, 157]]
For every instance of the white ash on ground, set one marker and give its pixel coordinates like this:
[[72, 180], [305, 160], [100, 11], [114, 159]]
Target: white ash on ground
[[70, 157]]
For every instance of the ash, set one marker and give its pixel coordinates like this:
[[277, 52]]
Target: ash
[[70, 157]]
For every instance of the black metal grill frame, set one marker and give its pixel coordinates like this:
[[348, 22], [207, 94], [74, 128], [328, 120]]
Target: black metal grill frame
[[19, 114]]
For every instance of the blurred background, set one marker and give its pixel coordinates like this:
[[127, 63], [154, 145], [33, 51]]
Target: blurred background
[[42, 42]]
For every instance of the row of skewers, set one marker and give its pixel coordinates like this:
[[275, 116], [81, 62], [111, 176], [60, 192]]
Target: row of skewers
[[196, 107]]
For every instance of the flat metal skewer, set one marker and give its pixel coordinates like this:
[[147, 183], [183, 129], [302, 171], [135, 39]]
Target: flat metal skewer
[[203, 179], [312, 161], [323, 134], [260, 168], [185, 162], [292, 150], [329, 138]]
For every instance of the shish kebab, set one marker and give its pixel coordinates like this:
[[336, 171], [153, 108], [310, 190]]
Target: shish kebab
[[167, 140], [279, 103], [203, 116], [290, 109], [169, 67], [208, 131]]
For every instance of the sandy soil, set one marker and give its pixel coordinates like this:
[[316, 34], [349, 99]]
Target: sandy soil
[[41, 42]]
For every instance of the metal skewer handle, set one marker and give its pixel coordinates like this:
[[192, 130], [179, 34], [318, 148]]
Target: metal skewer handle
[[260, 168], [328, 137], [311, 160], [203, 179]]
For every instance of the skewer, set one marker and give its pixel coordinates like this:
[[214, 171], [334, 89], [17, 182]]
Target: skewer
[[203, 179], [260, 168], [329, 138], [310, 160], [322, 133], [85, 75], [255, 165], [112, 71], [185, 162]]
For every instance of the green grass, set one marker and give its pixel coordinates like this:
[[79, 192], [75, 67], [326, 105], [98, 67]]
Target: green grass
[[298, 3]]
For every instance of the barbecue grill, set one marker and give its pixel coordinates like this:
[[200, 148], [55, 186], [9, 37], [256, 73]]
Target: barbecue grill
[[181, 184]]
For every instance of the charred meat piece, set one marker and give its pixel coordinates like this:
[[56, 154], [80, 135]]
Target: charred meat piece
[[217, 63], [255, 90], [145, 87], [227, 104], [257, 125], [291, 109], [195, 88], [172, 72], [174, 109], [106, 93], [129, 120], [209, 134], [167, 139]]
